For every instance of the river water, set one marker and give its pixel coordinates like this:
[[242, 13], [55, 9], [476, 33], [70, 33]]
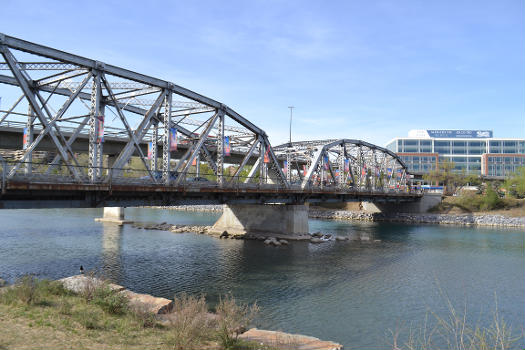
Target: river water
[[352, 292]]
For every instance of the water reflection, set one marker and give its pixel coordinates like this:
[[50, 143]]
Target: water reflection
[[351, 292], [111, 254]]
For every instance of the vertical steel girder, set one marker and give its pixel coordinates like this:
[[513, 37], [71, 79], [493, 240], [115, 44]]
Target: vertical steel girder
[[95, 141], [166, 144], [154, 152], [220, 150], [28, 135]]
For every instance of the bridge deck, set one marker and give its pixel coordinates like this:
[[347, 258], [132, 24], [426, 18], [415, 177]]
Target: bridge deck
[[52, 195]]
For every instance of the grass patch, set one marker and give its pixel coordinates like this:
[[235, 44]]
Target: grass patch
[[43, 314], [472, 203]]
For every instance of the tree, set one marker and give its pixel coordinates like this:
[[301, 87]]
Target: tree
[[443, 174], [515, 185]]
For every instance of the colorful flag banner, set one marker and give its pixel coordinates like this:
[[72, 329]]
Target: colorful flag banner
[[305, 171], [326, 163], [150, 150], [100, 122], [337, 173], [173, 139], [398, 172], [389, 172], [285, 167], [267, 155], [347, 165], [363, 171], [227, 147], [25, 138], [194, 161]]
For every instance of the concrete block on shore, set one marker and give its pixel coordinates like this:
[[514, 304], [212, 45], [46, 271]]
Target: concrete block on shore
[[152, 304], [281, 340], [81, 283]]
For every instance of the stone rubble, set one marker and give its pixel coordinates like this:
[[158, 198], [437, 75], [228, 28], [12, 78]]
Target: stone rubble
[[448, 219]]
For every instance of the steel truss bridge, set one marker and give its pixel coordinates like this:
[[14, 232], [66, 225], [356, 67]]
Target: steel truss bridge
[[117, 137]]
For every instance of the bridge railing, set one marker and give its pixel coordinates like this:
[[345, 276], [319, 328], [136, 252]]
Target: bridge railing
[[44, 173]]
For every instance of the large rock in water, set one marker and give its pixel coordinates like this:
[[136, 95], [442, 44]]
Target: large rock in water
[[280, 340]]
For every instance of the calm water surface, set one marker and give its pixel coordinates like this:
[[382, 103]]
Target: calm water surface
[[350, 292]]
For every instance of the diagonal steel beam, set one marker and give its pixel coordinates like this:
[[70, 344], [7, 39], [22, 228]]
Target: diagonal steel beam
[[128, 128], [24, 85], [12, 108], [195, 149], [244, 161], [141, 130]]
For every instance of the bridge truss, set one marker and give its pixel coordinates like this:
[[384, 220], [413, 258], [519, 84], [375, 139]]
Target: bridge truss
[[108, 129], [63, 97], [343, 164]]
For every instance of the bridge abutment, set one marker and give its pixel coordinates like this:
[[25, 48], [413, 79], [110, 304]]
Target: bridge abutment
[[427, 201], [264, 220], [113, 215]]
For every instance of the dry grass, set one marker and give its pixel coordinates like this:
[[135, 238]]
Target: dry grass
[[36, 314], [232, 320], [189, 324], [454, 331]]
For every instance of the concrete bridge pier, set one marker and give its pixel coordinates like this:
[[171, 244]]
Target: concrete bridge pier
[[289, 221], [114, 215], [420, 206]]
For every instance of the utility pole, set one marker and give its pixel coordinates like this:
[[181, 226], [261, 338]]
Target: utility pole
[[291, 109]]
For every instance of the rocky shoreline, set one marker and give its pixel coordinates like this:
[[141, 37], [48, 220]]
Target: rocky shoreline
[[440, 219], [161, 307], [427, 218]]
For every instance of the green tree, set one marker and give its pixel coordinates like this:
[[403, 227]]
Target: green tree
[[491, 199], [444, 175], [515, 185]]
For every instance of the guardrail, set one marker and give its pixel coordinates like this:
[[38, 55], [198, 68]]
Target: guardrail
[[43, 173]]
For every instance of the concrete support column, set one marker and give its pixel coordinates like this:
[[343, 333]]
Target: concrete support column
[[113, 215], [264, 220], [420, 206]]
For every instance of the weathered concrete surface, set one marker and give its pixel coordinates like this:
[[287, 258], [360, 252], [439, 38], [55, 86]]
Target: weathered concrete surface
[[114, 215], [287, 221], [422, 205], [280, 340], [149, 302], [80, 283]]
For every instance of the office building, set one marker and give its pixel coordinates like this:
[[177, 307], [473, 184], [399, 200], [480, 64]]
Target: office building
[[472, 151]]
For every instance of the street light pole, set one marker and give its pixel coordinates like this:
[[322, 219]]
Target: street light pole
[[291, 108]]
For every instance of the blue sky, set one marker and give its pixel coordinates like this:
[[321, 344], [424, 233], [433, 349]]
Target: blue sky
[[367, 70]]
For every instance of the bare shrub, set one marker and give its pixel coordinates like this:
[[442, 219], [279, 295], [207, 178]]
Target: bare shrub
[[26, 289], [454, 331], [188, 322], [233, 318], [143, 314], [90, 285]]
